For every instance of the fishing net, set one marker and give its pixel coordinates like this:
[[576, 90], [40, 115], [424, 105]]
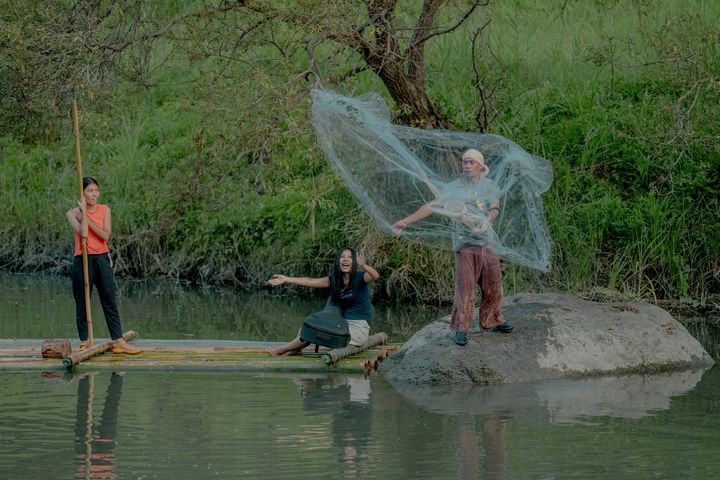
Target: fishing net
[[393, 170]]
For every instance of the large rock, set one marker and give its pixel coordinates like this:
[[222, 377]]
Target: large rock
[[555, 336]]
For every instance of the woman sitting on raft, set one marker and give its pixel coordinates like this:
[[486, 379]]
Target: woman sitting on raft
[[348, 290]]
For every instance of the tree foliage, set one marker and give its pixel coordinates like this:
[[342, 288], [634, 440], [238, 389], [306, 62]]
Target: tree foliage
[[195, 117], [53, 51]]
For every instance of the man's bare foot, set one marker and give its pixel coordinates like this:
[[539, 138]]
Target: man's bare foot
[[83, 346]]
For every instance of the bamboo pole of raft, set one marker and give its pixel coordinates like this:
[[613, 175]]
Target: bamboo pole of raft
[[83, 240], [77, 357], [336, 355]]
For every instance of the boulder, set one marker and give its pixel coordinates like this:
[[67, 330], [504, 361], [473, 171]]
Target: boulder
[[555, 336]]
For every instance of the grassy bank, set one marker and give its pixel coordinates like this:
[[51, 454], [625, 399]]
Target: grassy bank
[[622, 98]]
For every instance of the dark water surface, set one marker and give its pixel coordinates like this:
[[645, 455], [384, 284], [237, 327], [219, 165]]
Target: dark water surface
[[42, 306], [173, 425], [233, 425]]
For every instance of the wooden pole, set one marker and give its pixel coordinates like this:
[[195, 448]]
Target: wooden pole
[[332, 356], [77, 357], [89, 425], [83, 240]]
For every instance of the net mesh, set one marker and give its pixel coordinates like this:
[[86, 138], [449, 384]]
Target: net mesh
[[393, 170]]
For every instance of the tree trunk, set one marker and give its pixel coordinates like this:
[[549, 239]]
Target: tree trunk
[[416, 109], [56, 348], [403, 73]]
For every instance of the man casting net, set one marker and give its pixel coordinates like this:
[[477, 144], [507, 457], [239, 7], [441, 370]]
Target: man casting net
[[395, 170]]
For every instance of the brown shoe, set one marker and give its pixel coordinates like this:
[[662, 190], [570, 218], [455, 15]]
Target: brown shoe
[[124, 347]]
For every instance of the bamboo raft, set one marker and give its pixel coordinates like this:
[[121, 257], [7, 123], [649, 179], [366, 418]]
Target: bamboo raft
[[222, 355]]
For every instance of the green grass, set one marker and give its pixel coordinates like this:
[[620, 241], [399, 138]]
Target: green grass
[[620, 98]]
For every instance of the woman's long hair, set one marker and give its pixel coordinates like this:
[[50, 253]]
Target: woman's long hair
[[336, 276], [89, 181]]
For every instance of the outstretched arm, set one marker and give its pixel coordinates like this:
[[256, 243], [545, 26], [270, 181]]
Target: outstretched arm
[[420, 213], [322, 282]]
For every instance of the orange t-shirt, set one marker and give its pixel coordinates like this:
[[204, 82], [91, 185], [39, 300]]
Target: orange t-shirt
[[95, 244]]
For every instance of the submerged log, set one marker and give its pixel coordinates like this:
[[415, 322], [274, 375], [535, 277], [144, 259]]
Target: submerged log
[[56, 348], [71, 360], [333, 356]]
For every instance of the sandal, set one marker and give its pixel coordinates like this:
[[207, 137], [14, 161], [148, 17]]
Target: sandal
[[504, 328], [125, 348], [460, 338], [83, 346]]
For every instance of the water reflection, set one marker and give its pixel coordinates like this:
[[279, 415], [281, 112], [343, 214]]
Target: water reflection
[[95, 441], [472, 464], [41, 306], [558, 401], [294, 426], [349, 401]]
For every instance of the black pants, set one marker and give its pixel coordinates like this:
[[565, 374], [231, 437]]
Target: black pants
[[95, 441], [100, 275]]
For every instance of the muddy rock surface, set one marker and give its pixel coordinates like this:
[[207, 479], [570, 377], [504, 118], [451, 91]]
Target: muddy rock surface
[[555, 336]]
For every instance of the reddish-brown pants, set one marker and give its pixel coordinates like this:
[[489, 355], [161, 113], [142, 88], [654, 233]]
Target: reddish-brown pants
[[475, 265]]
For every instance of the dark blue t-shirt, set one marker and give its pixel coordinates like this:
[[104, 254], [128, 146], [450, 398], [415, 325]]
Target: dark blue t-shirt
[[355, 303]]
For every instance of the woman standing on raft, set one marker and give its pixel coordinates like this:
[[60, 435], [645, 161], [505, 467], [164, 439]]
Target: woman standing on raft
[[93, 222], [348, 284]]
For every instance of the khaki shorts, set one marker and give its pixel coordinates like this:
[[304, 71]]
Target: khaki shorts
[[359, 332]]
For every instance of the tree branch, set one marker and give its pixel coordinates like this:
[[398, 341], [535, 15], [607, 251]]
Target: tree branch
[[462, 19]]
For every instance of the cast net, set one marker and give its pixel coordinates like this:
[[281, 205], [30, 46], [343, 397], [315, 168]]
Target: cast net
[[393, 170]]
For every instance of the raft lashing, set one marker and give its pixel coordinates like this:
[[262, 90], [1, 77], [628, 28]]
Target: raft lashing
[[191, 355]]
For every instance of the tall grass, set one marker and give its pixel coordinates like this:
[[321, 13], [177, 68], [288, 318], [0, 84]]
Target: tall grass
[[598, 88]]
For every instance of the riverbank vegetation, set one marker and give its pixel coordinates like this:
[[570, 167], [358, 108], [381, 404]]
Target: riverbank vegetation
[[194, 120]]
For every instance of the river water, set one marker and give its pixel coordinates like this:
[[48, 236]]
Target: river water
[[180, 425], [42, 306]]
